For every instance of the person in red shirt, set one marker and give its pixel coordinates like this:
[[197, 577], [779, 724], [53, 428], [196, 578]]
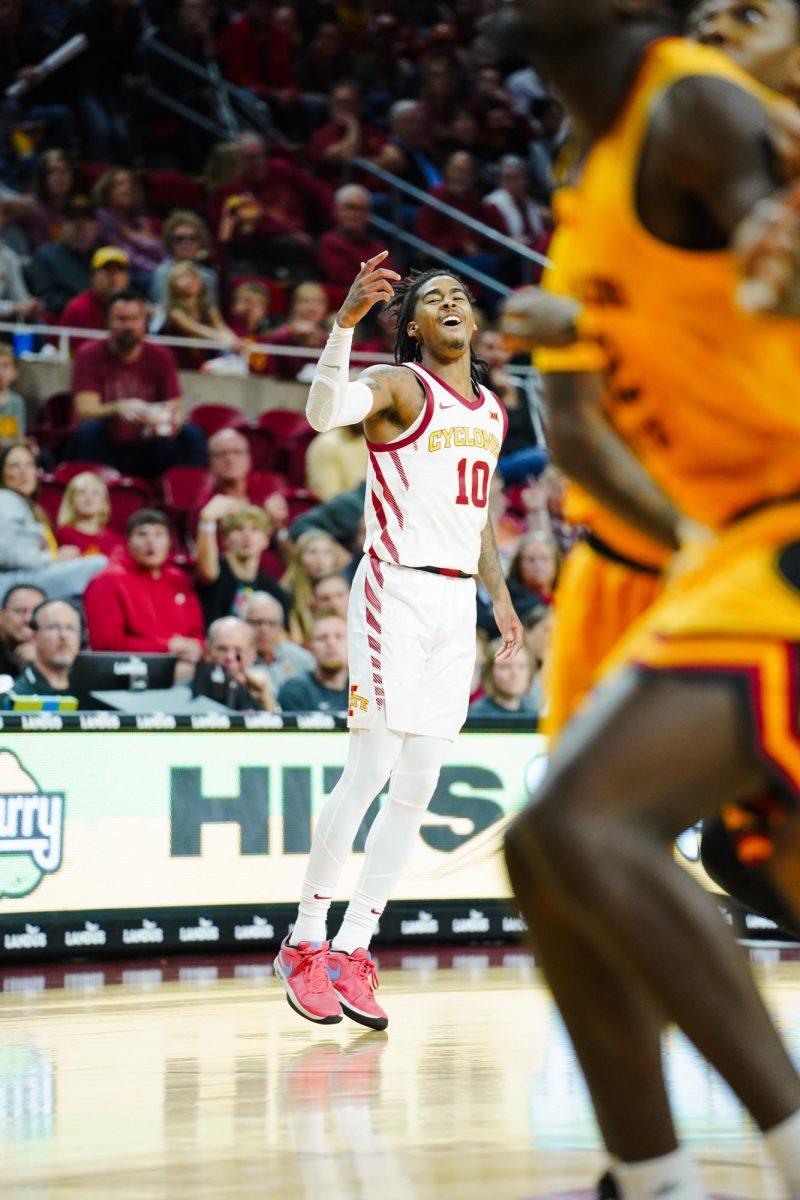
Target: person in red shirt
[[127, 398], [344, 248], [257, 54], [110, 274], [345, 136], [82, 519], [265, 219], [141, 602], [305, 326]]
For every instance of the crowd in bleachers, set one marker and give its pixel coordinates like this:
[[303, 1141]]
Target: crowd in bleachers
[[213, 538]]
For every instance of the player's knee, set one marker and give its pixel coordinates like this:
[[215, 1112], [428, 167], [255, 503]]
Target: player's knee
[[413, 789]]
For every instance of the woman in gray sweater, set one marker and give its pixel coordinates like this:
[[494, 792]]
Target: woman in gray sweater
[[28, 551]]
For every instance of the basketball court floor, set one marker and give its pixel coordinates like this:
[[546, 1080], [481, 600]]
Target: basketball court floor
[[193, 1079]]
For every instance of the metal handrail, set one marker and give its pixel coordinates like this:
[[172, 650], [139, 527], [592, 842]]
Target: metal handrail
[[454, 214]]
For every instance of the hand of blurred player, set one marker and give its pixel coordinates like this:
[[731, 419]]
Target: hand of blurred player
[[694, 543], [510, 628], [372, 283], [532, 317], [767, 245]]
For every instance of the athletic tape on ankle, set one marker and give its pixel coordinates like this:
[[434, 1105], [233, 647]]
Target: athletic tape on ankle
[[332, 400]]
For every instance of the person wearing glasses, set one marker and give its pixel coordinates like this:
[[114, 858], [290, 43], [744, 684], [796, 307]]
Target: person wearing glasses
[[276, 654], [187, 239], [56, 628]]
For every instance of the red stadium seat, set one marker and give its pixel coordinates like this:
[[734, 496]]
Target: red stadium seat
[[165, 190], [300, 500], [50, 495], [266, 483], [213, 417], [128, 494], [180, 488], [56, 422], [262, 446], [66, 471], [291, 434]]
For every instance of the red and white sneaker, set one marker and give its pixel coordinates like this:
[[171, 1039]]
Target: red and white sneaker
[[354, 980], [302, 971]]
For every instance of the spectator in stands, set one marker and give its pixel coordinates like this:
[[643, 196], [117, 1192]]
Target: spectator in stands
[[443, 232], [533, 573], [553, 130], [61, 270], [440, 94], [189, 32], [514, 210], [344, 248], [345, 136], [120, 211], [13, 416], [28, 548], [325, 688], [127, 398], [538, 632], [16, 632], [325, 63], [87, 310], [505, 683], [383, 342], [142, 602], [276, 653], [16, 302], [186, 239], [231, 644], [306, 326], [42, 220], [190, 312], [257, 54], [521, 435], [231, 469], [225, 582], [315, 553], [250, 322], [413, 158], [83, 515], [56, 628], [336, 461], [114, 29], [266, 218], [387, 72], [330, 593]]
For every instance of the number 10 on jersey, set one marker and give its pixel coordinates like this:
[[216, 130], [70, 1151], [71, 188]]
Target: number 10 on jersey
[[475, 490]]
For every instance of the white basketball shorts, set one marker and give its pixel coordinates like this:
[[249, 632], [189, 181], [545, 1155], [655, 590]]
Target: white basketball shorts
[[411, 638]]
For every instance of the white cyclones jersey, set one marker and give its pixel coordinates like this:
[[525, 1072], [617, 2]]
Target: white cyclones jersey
[[428, 490]]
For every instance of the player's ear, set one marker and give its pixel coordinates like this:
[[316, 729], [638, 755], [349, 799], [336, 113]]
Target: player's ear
[[412, 329]]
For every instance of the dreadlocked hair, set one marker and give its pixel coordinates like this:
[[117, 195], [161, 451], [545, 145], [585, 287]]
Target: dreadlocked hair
[[402, 305]]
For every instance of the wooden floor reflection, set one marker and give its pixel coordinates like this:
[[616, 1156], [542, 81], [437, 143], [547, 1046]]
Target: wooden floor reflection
[[136, 1085]]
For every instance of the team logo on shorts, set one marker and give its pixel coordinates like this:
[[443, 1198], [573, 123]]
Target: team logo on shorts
[[357, 703]]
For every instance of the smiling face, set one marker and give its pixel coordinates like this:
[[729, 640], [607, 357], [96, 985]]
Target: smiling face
[[19, 471], [443, 317], [761, 36]]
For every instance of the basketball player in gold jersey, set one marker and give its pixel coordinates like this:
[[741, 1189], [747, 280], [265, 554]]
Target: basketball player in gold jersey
[[676, 156]]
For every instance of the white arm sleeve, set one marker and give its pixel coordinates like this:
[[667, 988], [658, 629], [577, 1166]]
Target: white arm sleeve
[[332, 399]]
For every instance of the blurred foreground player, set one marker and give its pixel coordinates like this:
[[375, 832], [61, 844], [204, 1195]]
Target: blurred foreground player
[[677, 154], [434, 433]]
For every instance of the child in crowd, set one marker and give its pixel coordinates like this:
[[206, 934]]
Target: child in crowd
[[306, 326], [189, 312], [82, 519], [250, 322], [12, 406]]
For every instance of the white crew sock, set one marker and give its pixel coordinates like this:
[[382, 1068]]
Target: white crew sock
[[783, 1143], [673, 1176]]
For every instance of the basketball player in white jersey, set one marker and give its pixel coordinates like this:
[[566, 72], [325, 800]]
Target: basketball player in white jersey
[[434, 434]]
